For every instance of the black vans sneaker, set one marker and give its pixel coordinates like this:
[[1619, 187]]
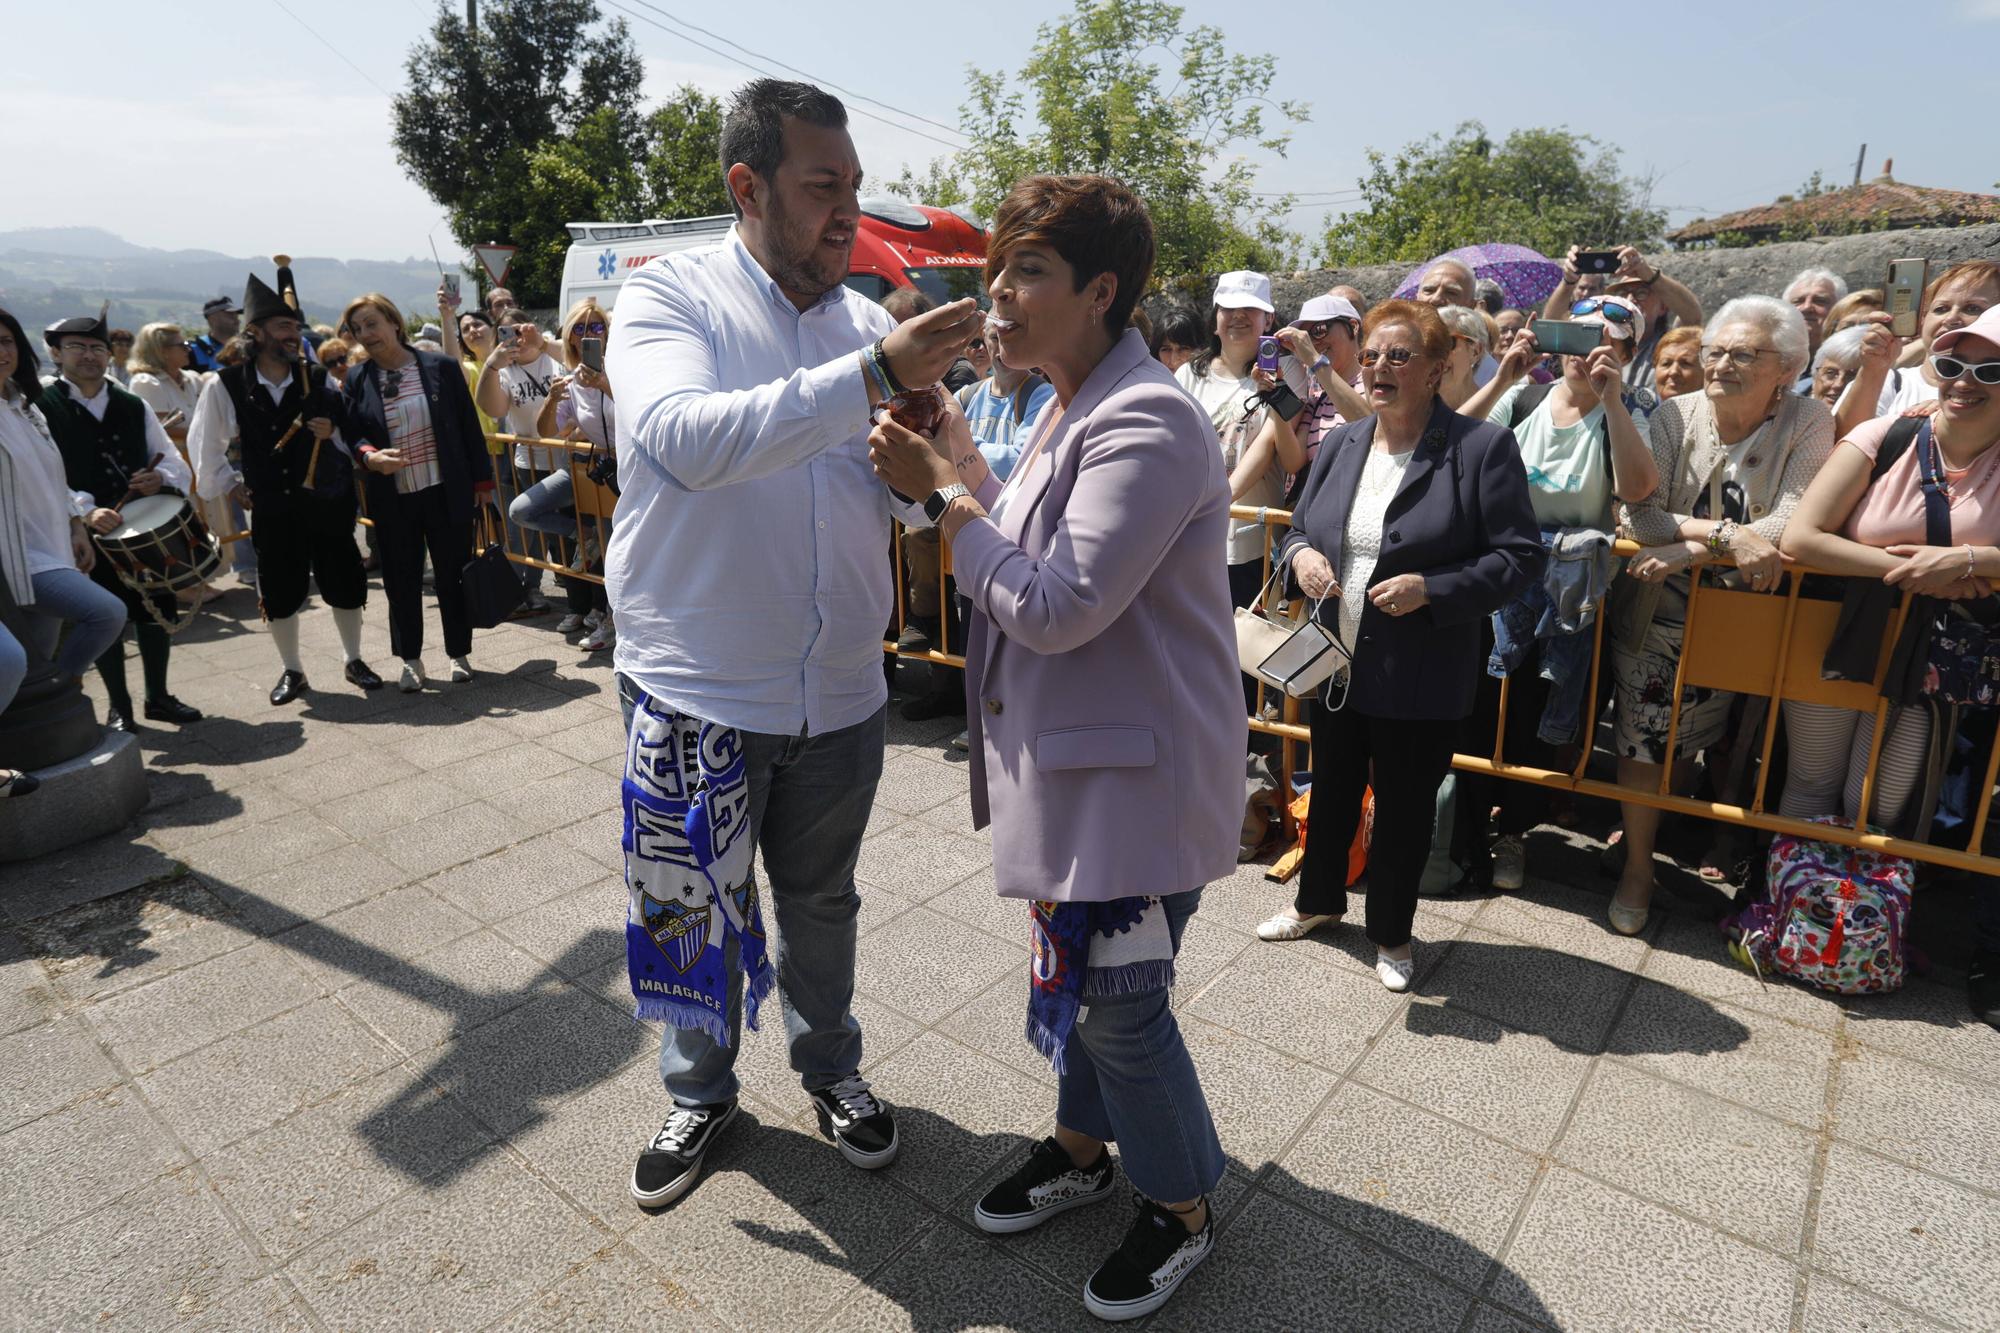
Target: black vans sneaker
[[1047, 1183], [671, 1163], [861, 1126], [1141, 1275]]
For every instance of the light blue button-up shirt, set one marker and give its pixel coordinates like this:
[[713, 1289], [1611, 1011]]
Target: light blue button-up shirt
[[749, 558]]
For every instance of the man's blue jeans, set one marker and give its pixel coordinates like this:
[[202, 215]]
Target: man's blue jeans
[[809, 802], [1131, 1081]]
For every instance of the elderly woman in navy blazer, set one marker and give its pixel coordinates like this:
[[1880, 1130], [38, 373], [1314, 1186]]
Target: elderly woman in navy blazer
[[1414, 526], [1106, 711]]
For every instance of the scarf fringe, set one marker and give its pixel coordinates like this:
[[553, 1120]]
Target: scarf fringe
[[1129, 978], [680, 1014], [1048, 1043], [756, 988]]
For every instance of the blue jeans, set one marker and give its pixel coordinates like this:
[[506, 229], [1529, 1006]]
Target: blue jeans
[[503, 480], [13, 667], [547, 506], [1132, 1082], [96, 617], [809, 803]]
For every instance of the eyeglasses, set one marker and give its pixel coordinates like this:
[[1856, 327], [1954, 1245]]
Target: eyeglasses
[[1395, 356], [1951, 368], [170, 346], [1615, 311], [1740, 357], [594, 329], [1319, 328]]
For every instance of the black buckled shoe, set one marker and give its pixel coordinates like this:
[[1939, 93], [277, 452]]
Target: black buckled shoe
[[291, 684], [1143, 1273], [671, 1163], [360, 674], [114, 720], [862, 1127], [170, 709], [1047, 1183]]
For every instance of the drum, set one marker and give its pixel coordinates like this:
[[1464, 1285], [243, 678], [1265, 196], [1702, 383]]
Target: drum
[[162, 549]]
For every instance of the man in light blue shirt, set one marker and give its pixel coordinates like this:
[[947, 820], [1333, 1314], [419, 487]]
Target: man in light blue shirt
[[748, 578]]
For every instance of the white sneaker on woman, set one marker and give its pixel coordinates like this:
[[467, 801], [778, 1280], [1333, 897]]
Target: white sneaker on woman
[[413, 675], [1285, 926], [1395, 972], [461, 671]]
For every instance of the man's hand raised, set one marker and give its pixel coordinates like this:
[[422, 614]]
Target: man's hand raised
[[920, 350]]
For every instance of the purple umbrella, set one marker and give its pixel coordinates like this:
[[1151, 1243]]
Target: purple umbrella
[[1526, 276]]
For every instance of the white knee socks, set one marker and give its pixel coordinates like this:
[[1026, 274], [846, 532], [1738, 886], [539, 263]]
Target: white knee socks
[[285, 634], [347, 619]]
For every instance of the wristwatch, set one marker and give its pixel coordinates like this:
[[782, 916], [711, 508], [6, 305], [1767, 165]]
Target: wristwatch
[[1320, 364], [941, 499]]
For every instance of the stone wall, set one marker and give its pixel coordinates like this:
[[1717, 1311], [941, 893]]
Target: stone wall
[[1717, 275]]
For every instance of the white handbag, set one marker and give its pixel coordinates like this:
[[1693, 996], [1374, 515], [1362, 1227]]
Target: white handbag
[[1295, 656]]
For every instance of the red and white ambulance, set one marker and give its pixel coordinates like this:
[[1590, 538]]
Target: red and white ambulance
[[939, 251]]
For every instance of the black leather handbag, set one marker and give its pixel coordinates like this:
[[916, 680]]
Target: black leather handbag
[[493, 589]]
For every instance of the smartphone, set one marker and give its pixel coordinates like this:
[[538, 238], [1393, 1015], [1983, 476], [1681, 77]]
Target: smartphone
[[1267, 354], [1559, 337], [1907, 279], [1597, 261], [509, 335], [591, 352], [451, 284]]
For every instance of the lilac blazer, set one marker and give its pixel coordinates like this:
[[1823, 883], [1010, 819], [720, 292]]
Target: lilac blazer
[[1104, 700]]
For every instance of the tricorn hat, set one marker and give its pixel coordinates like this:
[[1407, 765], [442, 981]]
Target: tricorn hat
[[78, 326], [261, 303]]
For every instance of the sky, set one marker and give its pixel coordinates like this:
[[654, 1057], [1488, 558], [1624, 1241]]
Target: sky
[[273, 133]]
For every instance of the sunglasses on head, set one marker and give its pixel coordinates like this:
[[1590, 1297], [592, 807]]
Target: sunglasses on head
[[1615, 311], [1395, 356], [1951, 368]]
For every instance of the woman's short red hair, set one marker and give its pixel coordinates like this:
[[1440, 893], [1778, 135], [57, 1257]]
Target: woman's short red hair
[[1094, 223], [1431, 330]]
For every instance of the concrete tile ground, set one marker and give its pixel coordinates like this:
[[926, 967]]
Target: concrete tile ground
[[356, 1054]]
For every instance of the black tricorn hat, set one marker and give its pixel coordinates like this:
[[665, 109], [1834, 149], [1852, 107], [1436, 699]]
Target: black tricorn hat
[[78, 326], [261, 303]]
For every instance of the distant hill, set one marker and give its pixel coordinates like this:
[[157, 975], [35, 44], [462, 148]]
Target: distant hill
[[50, 273]]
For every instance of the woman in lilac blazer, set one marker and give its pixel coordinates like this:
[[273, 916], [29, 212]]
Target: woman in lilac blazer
[[1107, 725]]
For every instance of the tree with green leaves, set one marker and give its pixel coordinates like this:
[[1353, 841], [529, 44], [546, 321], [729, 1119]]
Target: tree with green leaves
[[1544, 188], [535, 120], [1121, 89]]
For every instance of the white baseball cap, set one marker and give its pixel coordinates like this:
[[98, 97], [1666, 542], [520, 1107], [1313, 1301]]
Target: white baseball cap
[[1234, 291], [1328, 307]]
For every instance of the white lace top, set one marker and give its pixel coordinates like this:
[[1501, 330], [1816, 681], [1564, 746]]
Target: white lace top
[[1361, 546]]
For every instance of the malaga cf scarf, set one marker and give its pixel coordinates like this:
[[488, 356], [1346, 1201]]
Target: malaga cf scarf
[[1083, 950], [687, 872]]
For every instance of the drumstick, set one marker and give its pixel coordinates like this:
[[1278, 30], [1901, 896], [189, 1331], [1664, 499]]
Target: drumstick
[[135, 490]]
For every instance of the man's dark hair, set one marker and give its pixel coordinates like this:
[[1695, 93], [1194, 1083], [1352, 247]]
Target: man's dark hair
[[27, 366], [753, 132], [905, 303]]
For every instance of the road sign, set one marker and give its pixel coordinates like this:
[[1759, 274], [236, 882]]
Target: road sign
[[496, 259]]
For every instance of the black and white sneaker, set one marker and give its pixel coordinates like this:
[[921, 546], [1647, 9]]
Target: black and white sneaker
[[671, 1163], [860, 1125], [1143, 1272], [1047, 1183]]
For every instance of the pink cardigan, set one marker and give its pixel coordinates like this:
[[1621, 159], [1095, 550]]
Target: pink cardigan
[[1104, 700]]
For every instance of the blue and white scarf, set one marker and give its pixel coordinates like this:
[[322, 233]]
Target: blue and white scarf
[[1082, 950], [687, 872]]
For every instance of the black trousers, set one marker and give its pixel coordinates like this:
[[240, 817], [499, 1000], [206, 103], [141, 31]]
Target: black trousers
[[413, 522], [1405, 761], [312, 539]]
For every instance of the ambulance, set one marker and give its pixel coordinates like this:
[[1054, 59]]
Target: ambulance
[[939, 251]]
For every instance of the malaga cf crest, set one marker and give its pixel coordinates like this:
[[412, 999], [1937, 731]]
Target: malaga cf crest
[[680, 930]]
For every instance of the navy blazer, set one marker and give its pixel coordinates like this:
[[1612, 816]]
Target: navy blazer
[[461, 443], [1463, 520]]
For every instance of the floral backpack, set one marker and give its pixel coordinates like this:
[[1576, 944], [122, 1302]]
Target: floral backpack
[[1832, 916]]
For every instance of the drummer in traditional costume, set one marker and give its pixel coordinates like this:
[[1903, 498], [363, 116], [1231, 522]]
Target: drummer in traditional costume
[[297, 481], [114, 450]]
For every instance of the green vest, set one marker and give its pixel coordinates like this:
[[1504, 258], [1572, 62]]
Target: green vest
[[98, 456]]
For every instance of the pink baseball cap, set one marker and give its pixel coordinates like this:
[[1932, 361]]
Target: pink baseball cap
[[1987, 326]]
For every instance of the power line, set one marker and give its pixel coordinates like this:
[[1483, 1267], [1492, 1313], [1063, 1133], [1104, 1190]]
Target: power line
[[740, 63], [773, 60], [336, 50]]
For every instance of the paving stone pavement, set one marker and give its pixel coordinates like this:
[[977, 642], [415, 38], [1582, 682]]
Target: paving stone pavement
[[356, 1054]]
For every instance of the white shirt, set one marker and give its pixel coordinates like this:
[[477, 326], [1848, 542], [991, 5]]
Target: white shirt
[[166, 397], [172, 468], [1222, 394], [749, 558], [46, 502], [527, 385], [213, 428]]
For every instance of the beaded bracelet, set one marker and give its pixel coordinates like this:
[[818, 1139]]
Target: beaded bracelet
[[1720, 536], [1971, 565]]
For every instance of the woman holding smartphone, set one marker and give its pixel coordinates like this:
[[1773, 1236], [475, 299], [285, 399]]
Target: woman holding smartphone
[[579, 406]]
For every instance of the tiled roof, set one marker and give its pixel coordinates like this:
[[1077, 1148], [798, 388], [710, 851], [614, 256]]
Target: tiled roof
[[1883, 202]]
